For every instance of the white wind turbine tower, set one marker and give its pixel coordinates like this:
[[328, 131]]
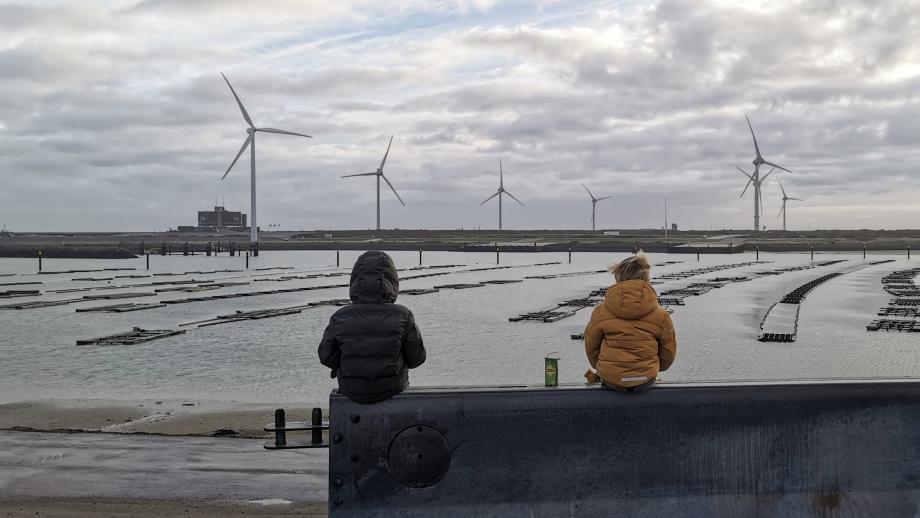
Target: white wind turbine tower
[[501, 190], [785, 199], [379, 174], [755, 178], [594, 204], [250, 142]]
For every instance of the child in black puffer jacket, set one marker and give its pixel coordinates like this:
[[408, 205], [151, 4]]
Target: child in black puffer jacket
[[371, 344]]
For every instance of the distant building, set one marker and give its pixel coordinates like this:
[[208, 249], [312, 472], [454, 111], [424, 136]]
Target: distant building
[[673, 226], [218, 220]]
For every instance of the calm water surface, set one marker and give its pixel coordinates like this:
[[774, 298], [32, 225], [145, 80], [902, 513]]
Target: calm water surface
[[467, 333]]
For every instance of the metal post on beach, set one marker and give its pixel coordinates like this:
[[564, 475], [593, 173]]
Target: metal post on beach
[[280, 434], [570, 255], [757, 252], [247, 259], [497, 257], [39, 260], [864, 251], [419, 256], [337, 262], [148, 259]]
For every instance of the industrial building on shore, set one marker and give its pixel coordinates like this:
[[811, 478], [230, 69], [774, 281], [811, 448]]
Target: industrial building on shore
[[218, 220]]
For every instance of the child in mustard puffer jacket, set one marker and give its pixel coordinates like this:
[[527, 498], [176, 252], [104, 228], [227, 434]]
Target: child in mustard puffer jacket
[[630, 338]]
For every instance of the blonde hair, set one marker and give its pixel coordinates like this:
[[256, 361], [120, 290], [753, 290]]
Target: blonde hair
[[632, 268]]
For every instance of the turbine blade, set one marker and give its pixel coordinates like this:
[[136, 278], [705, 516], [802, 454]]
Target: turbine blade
[[237, 157], [242, 109], [746, 187], [604, 198], [796, 199], [490, 197], [501, 180], [780, 213], [764, 177], [394, 190], [589, 192], [513, 198], [360, 174], [777, 166], [282, 132], [756, 147], [780, 186], [745, 173], [386, 154]]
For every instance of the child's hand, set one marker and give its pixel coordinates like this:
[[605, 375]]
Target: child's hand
[[591, 376]]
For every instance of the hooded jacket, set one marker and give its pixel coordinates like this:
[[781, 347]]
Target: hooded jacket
[[630, 338], [371, 344]]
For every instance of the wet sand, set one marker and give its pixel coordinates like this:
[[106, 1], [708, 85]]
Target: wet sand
[[180, 418], [151, 508]]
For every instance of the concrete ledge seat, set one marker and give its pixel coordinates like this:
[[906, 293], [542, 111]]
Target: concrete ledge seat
[[765, 449]]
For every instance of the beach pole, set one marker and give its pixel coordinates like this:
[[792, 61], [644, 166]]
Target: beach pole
[[280, 433], [812, 254], [757, 252], [148, 259], [247, 259], [39, 260], [697, 254], [864, 251], [316, 419], [570, 255], [419, 256], [337, 262], [497, 257]]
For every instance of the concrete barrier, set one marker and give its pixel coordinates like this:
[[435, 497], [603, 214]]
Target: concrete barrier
[[843, 448]]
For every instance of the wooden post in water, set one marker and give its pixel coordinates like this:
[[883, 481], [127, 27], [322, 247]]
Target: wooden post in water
[[757, 252], [864, 251], [337, 261], [570, 255], [39, 260], [148, 259], [419, 256], [247, 259], [498, 259], [812, 254], [697, 254]]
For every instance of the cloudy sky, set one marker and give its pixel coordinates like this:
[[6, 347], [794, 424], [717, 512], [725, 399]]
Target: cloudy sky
[[114, 116]]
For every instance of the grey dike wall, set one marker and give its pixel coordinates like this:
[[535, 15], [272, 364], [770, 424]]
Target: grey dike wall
[[821, 448]]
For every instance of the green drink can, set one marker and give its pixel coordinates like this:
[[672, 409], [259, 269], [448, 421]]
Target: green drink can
[[551, 371]]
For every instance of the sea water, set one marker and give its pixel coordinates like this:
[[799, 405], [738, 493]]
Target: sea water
[[467, 333]]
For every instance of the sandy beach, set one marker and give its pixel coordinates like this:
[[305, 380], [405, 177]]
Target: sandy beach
[[179, 418], [151, 508]]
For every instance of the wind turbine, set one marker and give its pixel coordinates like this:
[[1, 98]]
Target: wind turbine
[[594, 204], [501, 190], [250, 142], [755, 178], [379, 174], [785, 199]]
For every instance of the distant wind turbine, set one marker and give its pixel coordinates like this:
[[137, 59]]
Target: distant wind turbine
[[594, 204], [785, 199], [756, 179], [501, 190], [379, 174], [250, 142]]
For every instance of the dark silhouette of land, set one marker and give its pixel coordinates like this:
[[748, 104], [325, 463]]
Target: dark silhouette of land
[[132, 244]]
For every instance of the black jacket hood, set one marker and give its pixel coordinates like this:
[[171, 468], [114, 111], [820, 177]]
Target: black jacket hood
[[373, 279]]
